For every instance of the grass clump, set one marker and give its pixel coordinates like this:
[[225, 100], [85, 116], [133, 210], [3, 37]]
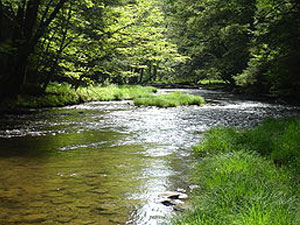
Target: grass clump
[[114, 92], [56, 95], [61, 94], [247, 176], [277, 139], [241, 188], [173, 99]]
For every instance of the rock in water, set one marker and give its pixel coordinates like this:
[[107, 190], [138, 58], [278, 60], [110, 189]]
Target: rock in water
[[171, 202], [173, 195]]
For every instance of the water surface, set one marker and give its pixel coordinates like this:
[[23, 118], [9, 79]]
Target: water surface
[[107, 162]]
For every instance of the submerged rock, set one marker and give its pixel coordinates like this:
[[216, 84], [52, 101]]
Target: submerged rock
[[171, 202], [173, 195], [167, 202], [171, 198]]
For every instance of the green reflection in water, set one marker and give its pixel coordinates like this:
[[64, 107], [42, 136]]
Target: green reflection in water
[[77, 178]]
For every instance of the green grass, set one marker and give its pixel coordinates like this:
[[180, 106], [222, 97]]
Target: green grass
[[279, 140], [173, 99], [241, 188], [213, 84], [175, 81], [63, 94], [113, 92], [247, 176], [205, 81]]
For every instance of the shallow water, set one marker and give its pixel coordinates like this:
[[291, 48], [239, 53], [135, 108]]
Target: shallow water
[[107, 162]]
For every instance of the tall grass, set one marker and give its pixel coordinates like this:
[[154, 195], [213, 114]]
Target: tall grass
[[60, 94], [114, 92], [173, 99], [247, 176], [241, 188], [277, 139]]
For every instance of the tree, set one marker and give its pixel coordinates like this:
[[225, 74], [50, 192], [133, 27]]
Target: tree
[[216, 35], [275, 58], [24, 23], [139, 48]]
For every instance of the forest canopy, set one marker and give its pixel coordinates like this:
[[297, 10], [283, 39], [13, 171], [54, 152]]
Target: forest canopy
[[253, 44]]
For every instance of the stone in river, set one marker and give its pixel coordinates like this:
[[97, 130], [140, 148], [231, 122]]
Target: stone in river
[[171, 202], [173, 195]]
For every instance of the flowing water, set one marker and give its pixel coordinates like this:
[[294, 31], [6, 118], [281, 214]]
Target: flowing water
[[107, 162]]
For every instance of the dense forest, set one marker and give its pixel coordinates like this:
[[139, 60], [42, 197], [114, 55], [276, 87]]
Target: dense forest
[[254, 44]]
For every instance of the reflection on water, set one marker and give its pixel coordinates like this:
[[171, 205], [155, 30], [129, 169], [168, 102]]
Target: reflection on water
[[107, 162]]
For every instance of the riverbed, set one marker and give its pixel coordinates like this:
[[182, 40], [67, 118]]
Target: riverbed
[[107, 162]]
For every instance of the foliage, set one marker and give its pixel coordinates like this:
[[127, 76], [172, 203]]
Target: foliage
[[216, 36], [142, 51], [274, 63], [23, 24], [83, 42], [253, 44], [173, 99]]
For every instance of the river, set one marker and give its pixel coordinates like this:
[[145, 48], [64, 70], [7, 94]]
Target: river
[[106, 163]]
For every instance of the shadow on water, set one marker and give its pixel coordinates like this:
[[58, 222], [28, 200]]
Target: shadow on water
[[107, 162]]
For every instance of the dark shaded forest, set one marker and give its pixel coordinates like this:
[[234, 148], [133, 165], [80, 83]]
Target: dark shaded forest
[[251, 45]]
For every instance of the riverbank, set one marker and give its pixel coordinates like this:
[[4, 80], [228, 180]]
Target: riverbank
[[247, 176], [221, 85], [62, 94], [190, 84]]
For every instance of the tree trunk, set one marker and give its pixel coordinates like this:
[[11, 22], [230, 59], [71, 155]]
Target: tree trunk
[[141, 75], [14, 64], [154, 73], [31, 18]]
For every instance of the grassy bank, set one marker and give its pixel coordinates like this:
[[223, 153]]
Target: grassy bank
[[173, 99], [248, 176], [214, 84], [192, 83], [63, 94]]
